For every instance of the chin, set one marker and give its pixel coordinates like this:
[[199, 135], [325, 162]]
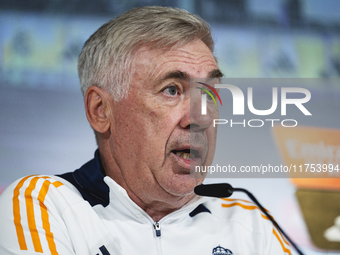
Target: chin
[[182, 185]]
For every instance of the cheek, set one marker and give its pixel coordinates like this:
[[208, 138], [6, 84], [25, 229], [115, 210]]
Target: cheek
[[157, 119], [143, 132], [142, 124], [163, 121], [160, 127]]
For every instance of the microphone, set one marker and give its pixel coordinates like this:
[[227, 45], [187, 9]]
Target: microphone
[[214, 190], [222, 190]]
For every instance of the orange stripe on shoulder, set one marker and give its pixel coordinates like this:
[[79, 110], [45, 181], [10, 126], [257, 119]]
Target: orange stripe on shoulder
[[57, 184], [251, 207], [30, 213], [284, 239], [45, 216], [235, 200], [282, 245], [17, 216], [241, 200], [247, 207]]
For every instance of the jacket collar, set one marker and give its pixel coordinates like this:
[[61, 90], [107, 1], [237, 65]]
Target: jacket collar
[[99, 189]]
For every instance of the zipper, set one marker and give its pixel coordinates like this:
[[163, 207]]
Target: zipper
[[157, 228], [128, 203]]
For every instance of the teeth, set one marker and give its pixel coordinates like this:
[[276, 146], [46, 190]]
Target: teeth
[[185, 155]]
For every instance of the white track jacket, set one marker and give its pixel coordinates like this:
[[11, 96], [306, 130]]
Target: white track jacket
[[85, 213]]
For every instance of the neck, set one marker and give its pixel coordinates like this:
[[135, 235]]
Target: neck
[[159, 209], [155, 204]]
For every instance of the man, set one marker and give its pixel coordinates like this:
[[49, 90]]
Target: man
[[136, 196]]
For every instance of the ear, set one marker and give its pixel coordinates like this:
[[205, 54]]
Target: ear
[[98, 108]]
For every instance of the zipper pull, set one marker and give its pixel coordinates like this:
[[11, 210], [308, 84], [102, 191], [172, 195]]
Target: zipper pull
[[157, 228]]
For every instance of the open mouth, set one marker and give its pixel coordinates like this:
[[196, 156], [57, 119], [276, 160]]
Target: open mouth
[[187, 153]]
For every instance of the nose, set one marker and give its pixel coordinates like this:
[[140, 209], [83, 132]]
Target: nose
[[193, 118]]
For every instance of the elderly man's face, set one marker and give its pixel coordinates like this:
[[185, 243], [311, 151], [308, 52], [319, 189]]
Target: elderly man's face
[[150, 131]]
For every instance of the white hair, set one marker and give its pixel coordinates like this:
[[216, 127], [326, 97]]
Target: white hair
[[106, 58]]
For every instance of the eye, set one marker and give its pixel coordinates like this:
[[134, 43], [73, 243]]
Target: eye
[[208, 95], [171, 90]]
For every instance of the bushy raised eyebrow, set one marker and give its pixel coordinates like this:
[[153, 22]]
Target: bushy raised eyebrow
[[216, 73], [176, 75]]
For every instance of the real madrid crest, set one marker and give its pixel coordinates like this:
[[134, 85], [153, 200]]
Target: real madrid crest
[[221, 251]]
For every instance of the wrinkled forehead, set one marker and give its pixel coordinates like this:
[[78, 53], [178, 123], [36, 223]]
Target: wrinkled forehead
[[194, 59]]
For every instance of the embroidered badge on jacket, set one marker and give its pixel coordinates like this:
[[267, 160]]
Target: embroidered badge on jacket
[[221, 251]]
